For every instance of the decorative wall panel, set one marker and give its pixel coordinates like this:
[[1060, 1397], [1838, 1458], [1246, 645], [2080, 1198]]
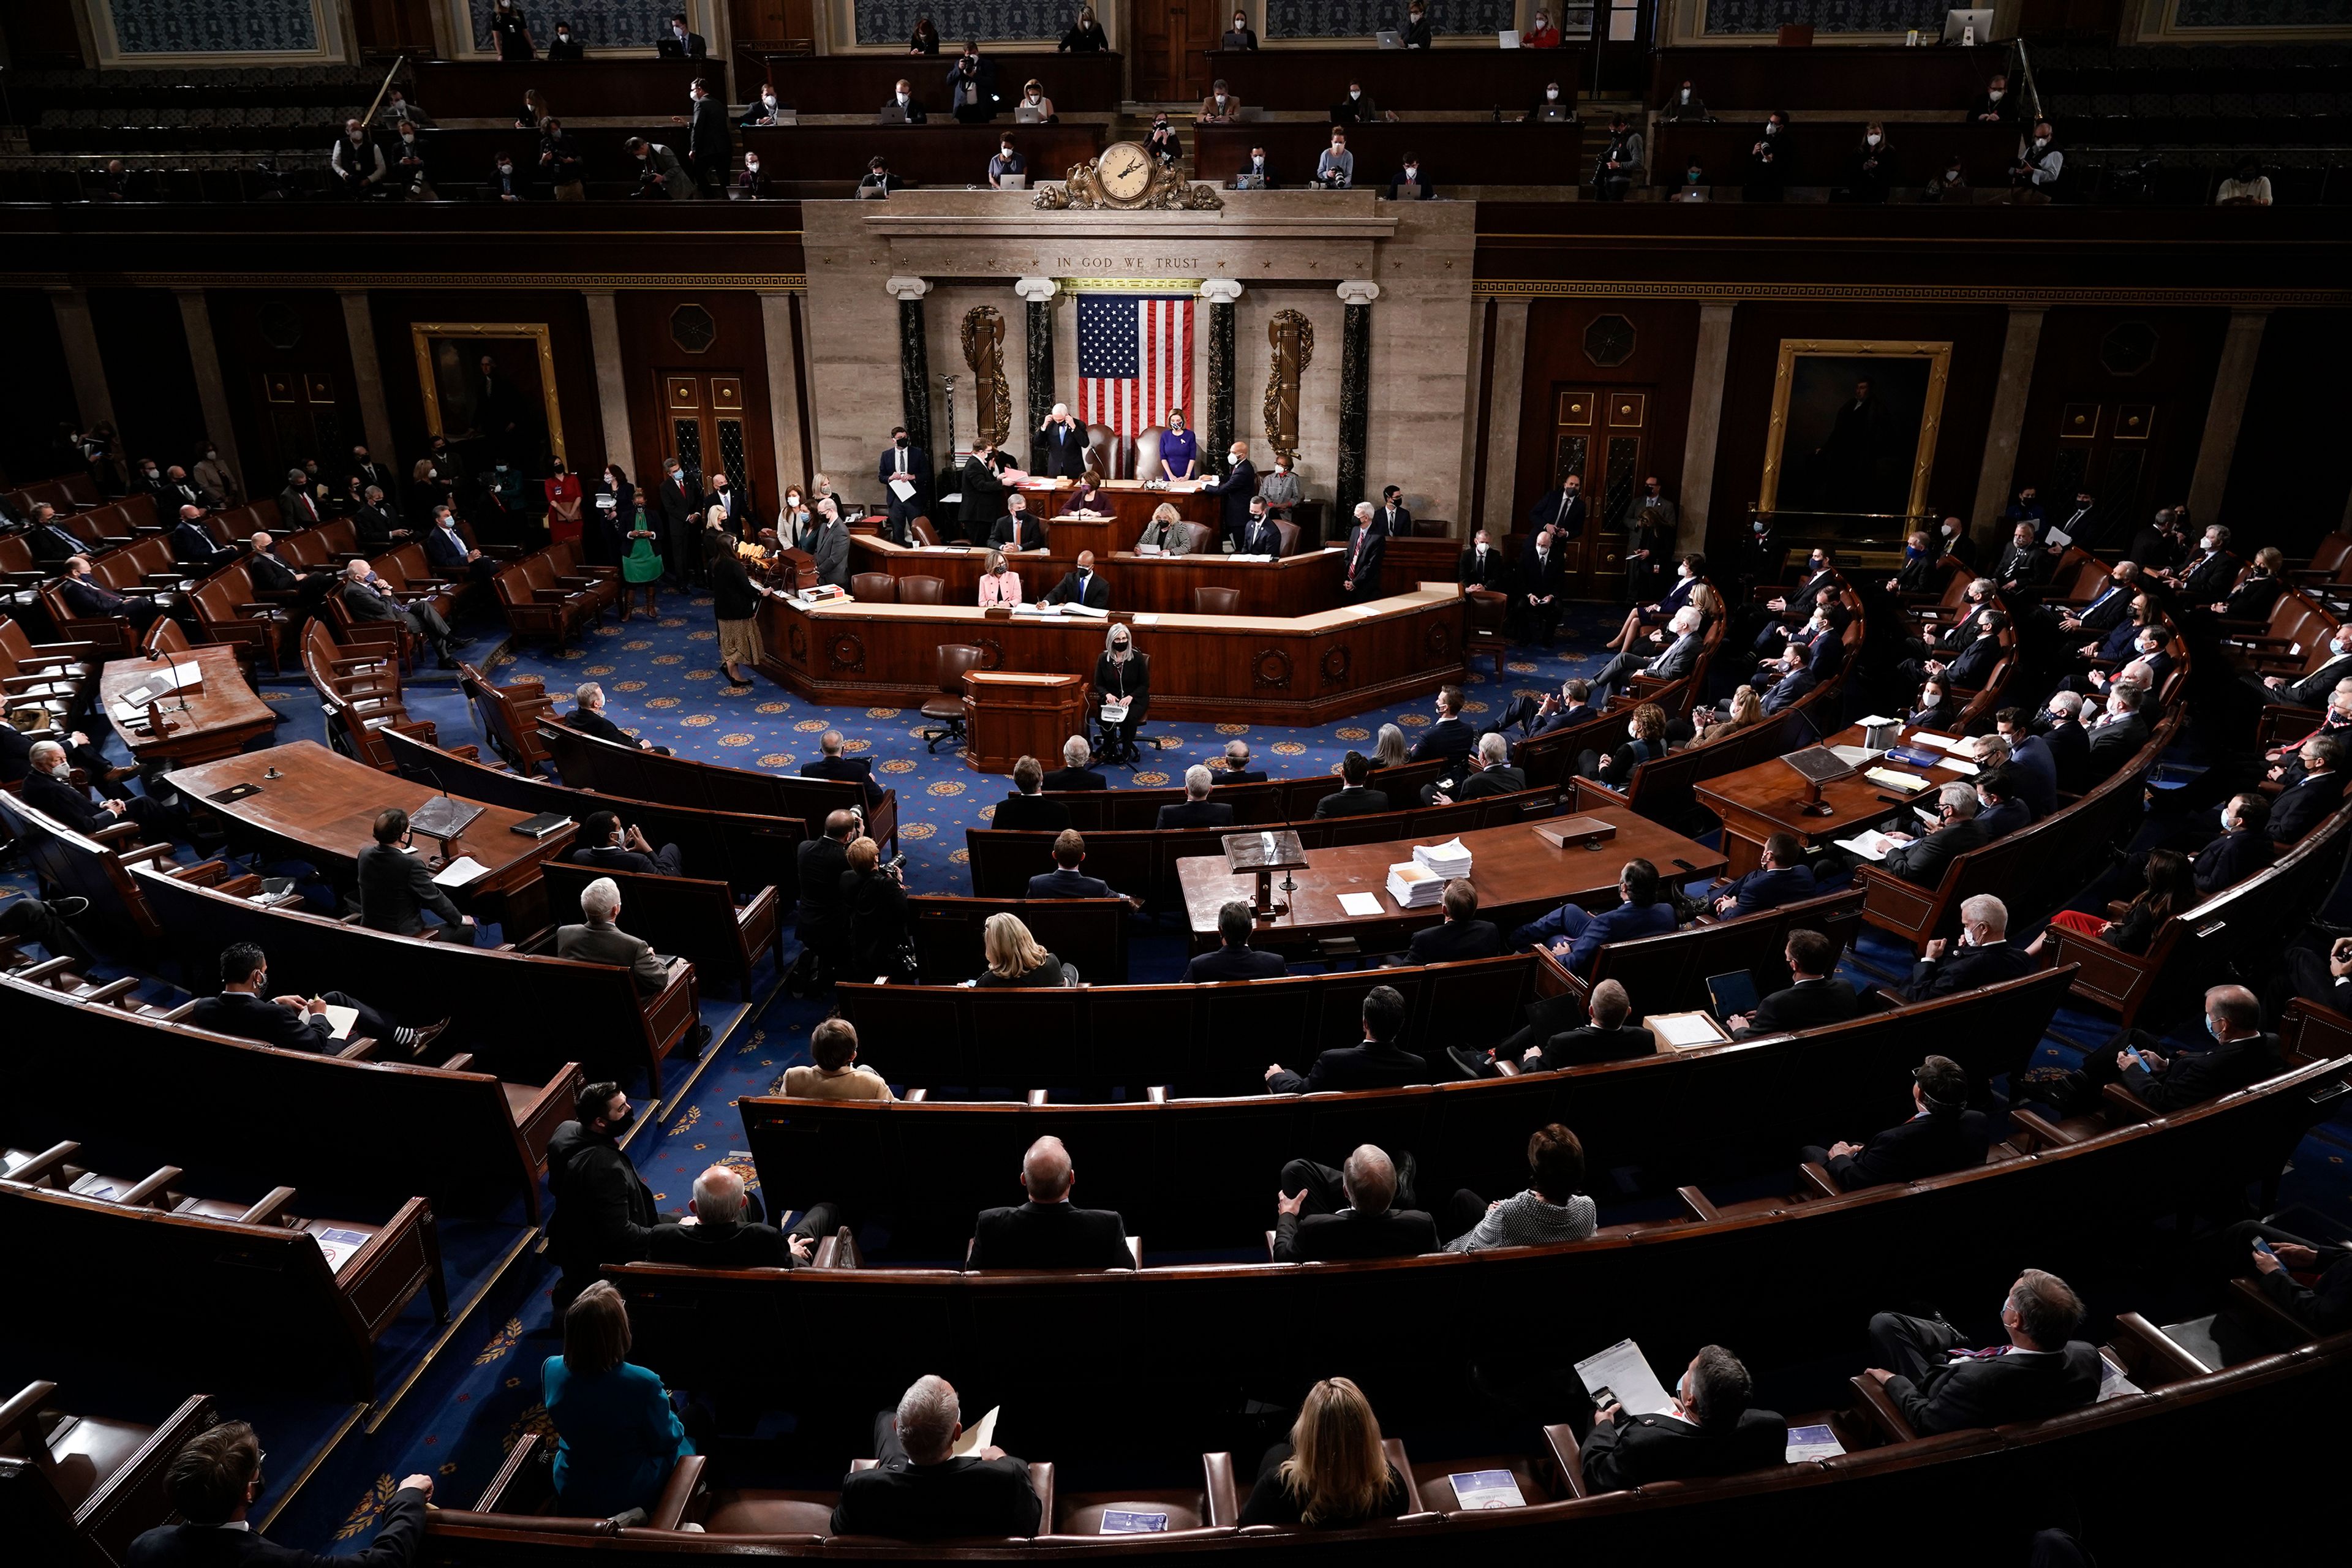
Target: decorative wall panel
[[599, 24], [1826, 16], [1362, 18], [2260, 13], [214, 27], [893, 21]]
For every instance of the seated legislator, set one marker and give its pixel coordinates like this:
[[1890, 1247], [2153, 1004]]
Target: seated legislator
[[1552, 1207], [2241, 1054], [832, 763], [587, 716], [395, 887], [1983, 956], [88, 600], [617, 1435], [2323, 1305], [1196, 809], [1025, 810], [1352, 798], [1235, 767], [1334, 1472], [49, 787], [1943, 1134], [1941, 1386], [1489, 773], [1481, 566], [715, 1235], [1782, 877], [599, 939], [1168, 534], [244, 1010], [1577, 934], [602, 844], [1816, 995], [1081, 585], [1018, 529], [1378, 1063], [1461, 936], [212, 1484], [1049, 1231], [1065, 881], [1074, 774], [1450, 739], [1606, 1036], [603, 1207], [999, 584], [836, 1074], [1711, 1431], [2170, 888], [1234, 958], [192, 550], [904, 105], [1014, 958], [1323, 1213], [920, 1489], [1922, 861], [1685, 635]]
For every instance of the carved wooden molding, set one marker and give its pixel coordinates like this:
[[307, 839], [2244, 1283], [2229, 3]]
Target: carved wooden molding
[[1292, 337], [1270, 669], [983, 353]]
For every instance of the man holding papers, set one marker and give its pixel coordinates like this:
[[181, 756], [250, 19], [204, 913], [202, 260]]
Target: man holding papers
[[1900, 852], [923, 1486], [245, 1008], [1707, 1429]]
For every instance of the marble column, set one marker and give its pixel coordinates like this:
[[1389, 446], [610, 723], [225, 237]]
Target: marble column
[[367, 372], [212, 387], [1708, 367], [1037, 349], [1505, 387], [914, 363], [93, 402], [2232, 379], [1221, 293], [1354, 392], [2005, 424], [784, 392], [612, 381]]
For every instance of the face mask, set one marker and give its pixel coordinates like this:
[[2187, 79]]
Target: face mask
[[1874, 141], [563, 36], [750, 165], [505, 168], [502, 467], [1232, 456], [1997, 94], [792, 500], [150, 473], [1692, 176], [902, 98], [2211, 1028], [1686, 95], [1355, 92], [1551, 93], [2042, 141], [1760, 525], [1410, 170], [1007, 149], [625, 1123], [1771, 128]]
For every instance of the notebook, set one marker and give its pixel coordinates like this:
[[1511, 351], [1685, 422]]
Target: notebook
[[1487, 1488], [540, 827]]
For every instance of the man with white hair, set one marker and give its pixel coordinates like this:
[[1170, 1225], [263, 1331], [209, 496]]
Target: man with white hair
[[599, 939], [1074, 774], [1236, 769], [1049, 1231], [1321, 1213], [1062, 442], [49, 789], [587, 716], [1922, 861], [2060, 727], [1680, 655], [1196, 810], [716, 1234], [1983, 956], [833, 762], [1360, 576], [920, 1489], [369, 598], [1489, 773]]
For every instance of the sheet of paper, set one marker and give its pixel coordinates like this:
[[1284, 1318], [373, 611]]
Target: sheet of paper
[[1683, 1030], [2113, 1383], [1813, 1443], [1150, 619], [1959, 765], [459, 872], [342, 1018], [1622, 1371], [339, 1245], [1877, 718], [1124, 1522], [903, 488], [1856, 755], [1894, 778], [1487, 1488], [980, 1435], [1941, 743], [1869, 846], [1359, 904]]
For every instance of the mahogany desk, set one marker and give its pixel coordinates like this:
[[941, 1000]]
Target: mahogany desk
[[1294, 585], [861, 84], [222, 716], [1517, 874], [325, 807], [1453, 75], [1756, 803], [1304, 669], [1008, 717], [1868, 76], [479, 89]]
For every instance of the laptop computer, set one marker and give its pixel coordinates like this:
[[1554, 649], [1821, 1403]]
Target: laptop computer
[[1249, 182], [1389, 38], [1507, 38], [871, 193], [1555, 111], [1012, 182], [1024, 115], [891, 114], [1406, 193]]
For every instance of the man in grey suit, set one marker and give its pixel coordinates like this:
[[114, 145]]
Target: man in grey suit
[[1676, 662], [601, 941], [831, 546], [395, 887]]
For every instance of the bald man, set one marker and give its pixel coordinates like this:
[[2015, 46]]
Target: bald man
[[722, 1229], [1320, 1213], [1049, 1231]]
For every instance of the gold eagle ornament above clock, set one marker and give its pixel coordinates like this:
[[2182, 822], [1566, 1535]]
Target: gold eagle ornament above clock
[[1126, 175]]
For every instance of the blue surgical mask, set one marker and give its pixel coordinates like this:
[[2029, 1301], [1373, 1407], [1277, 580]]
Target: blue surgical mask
[[2212, 1028]]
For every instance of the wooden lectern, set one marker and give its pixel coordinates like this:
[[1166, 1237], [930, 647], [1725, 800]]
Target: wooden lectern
[[1007, 717]]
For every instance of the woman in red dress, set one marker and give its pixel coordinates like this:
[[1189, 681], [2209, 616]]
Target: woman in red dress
[[565, 503]]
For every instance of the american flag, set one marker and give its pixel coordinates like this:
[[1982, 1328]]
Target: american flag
[[1134, 359]]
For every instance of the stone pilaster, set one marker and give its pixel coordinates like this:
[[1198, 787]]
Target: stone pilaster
[[212, 387], [367, 372], [2232, 379], [612, 383], [1354, 392], [1037, 345], [2005, 425], [914, 364], [1708, 363], [85, 368], [1221, 293]]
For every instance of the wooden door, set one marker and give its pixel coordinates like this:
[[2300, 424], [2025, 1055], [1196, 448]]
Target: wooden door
[[2103, 448], [303, 416], [390, 27], [703, 426], [1167, 37], [1601, 434]]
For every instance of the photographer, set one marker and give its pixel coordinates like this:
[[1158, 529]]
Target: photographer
[[881, 933]]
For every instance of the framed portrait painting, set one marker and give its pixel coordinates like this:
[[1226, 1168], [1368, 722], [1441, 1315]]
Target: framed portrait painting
[[489, 387], [1853, 428]]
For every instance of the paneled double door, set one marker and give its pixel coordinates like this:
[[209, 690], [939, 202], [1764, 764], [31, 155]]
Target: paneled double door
[[1601, 434], [703, 424]]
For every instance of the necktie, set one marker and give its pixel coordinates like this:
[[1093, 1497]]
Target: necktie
[[902, 460], [1984, 1355]]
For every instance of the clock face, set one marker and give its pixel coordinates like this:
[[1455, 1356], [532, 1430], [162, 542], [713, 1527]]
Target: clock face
[[1125, 169]]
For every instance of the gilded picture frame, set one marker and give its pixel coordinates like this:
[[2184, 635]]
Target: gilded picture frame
[[441, 359], [1916, 371]]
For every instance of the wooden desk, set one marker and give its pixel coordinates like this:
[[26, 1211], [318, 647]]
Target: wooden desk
[[1880, 77], [1756, 803], [1129, 504], [1294, 585], [1453, 152], [222, 716], [1008, 716], [1820, 152], [860, 84], [1517, 874], [1307, 670], [1472, 77], [324, 806], [941, 153], [477, 90]]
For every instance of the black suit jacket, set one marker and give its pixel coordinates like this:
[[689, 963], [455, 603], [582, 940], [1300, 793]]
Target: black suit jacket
[[1235, 964], [67, 802], [2019, 1387], [1925, 860], [1974, 666], [732, 1244], [851, 770], [2069, 749], [668, 46], [2313, 689], [1398, 1232], [1031, 531], [1351, 802], [1634, 1450], [822, 862], [2208, 582], [2194, 1075], [1922, 1146], [1074, 778], [1096, 595], [1064, 446], [260, 1018], [589, 723], [1496, 780], [1354, 1067], [1233, 493], [961, 1496], [1803, 1005], [2232, 858], [1591, 1043], [2110, 746], [202, 1546], [603, 1211], [1226, 776], [2297, 810], [1050, 1236], [1018, 811], [1965, 968], [1471, 572], [1365, 548], [1195, 813], [1453, 941], [1561, 511], [1448, 738], [396, 888]]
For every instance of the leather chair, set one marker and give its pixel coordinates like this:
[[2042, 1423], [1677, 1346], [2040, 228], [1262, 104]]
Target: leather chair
[[1216, 600], [1102, 452], [875, 588], [1486, 633], [945, 710], [1147, 452], [923, 590], [163, 638], [1431, 527], [920, 530], [1289, 532]]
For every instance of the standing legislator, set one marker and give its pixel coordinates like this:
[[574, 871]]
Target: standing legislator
[[903, 473], [1360, 578], [1234, 492], [1063, 441]]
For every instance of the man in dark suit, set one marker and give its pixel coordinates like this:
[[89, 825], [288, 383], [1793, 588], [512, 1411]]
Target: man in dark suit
[[50, 544], [213, 1482], [1062, 442], [1236, 768], [1235, 959], [1259, 536], [1020, 528], [1561, 710], [1462, 935], [2004, 810], [715, 1235], [1940, 1387], [192, 550], [1543, 573], [604, 1210], [1378, 1063], [1083, 585], [2316, 795], [87, 600], [2117, 738], [1984, 956], [1049, 1231], [1489, 773], [587, 716], [298, 507], [2206, 579], [1711, 1431], [1395, 521], [679, 499], [602, 844], [1685, 637], [1352, 799], [395, 887], [1922, 861], [2024, 565], [376, 525], [1562, 511], [1323, 1213], [1450, 739], [1066, 880], [2069, 742], [1234, 492], [1782, 877], [2312, 690], [2241, 1054], [822, 920], [2026, 756], [1941, 1134], [369, 597], [904, 461], [677, 44], [832, 763], [1196, 810], [709, 148], [1074, 774], [1814, 996], [244, 1008], [1359, 573], [1554, 1036], [1973, 666], [1481, 565], [2244, 847], [1023, 810], [1789, 680], [49, 789], [737, 514], [597, 938], [920, 1487], [446, 552]]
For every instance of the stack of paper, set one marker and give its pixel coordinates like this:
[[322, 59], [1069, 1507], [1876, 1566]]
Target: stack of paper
[[1449, 859], [1807, 1442], [1941, 743], [1415, 887], [1870, 843], [1892, 778]]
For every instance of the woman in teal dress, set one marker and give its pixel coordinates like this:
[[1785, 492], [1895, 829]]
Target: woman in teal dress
[[617, 1438]]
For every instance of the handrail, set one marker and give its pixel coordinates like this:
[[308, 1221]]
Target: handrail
[[377, 101], [2025, 69]]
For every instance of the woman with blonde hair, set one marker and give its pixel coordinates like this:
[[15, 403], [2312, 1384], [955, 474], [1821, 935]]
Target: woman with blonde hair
[[1333, 1473], [1013, 957], [617, 1438], [1167, 533], [1390, 751], [1746, 709], [734, 599], [998, 584], [1648, 743], [535, 112]]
